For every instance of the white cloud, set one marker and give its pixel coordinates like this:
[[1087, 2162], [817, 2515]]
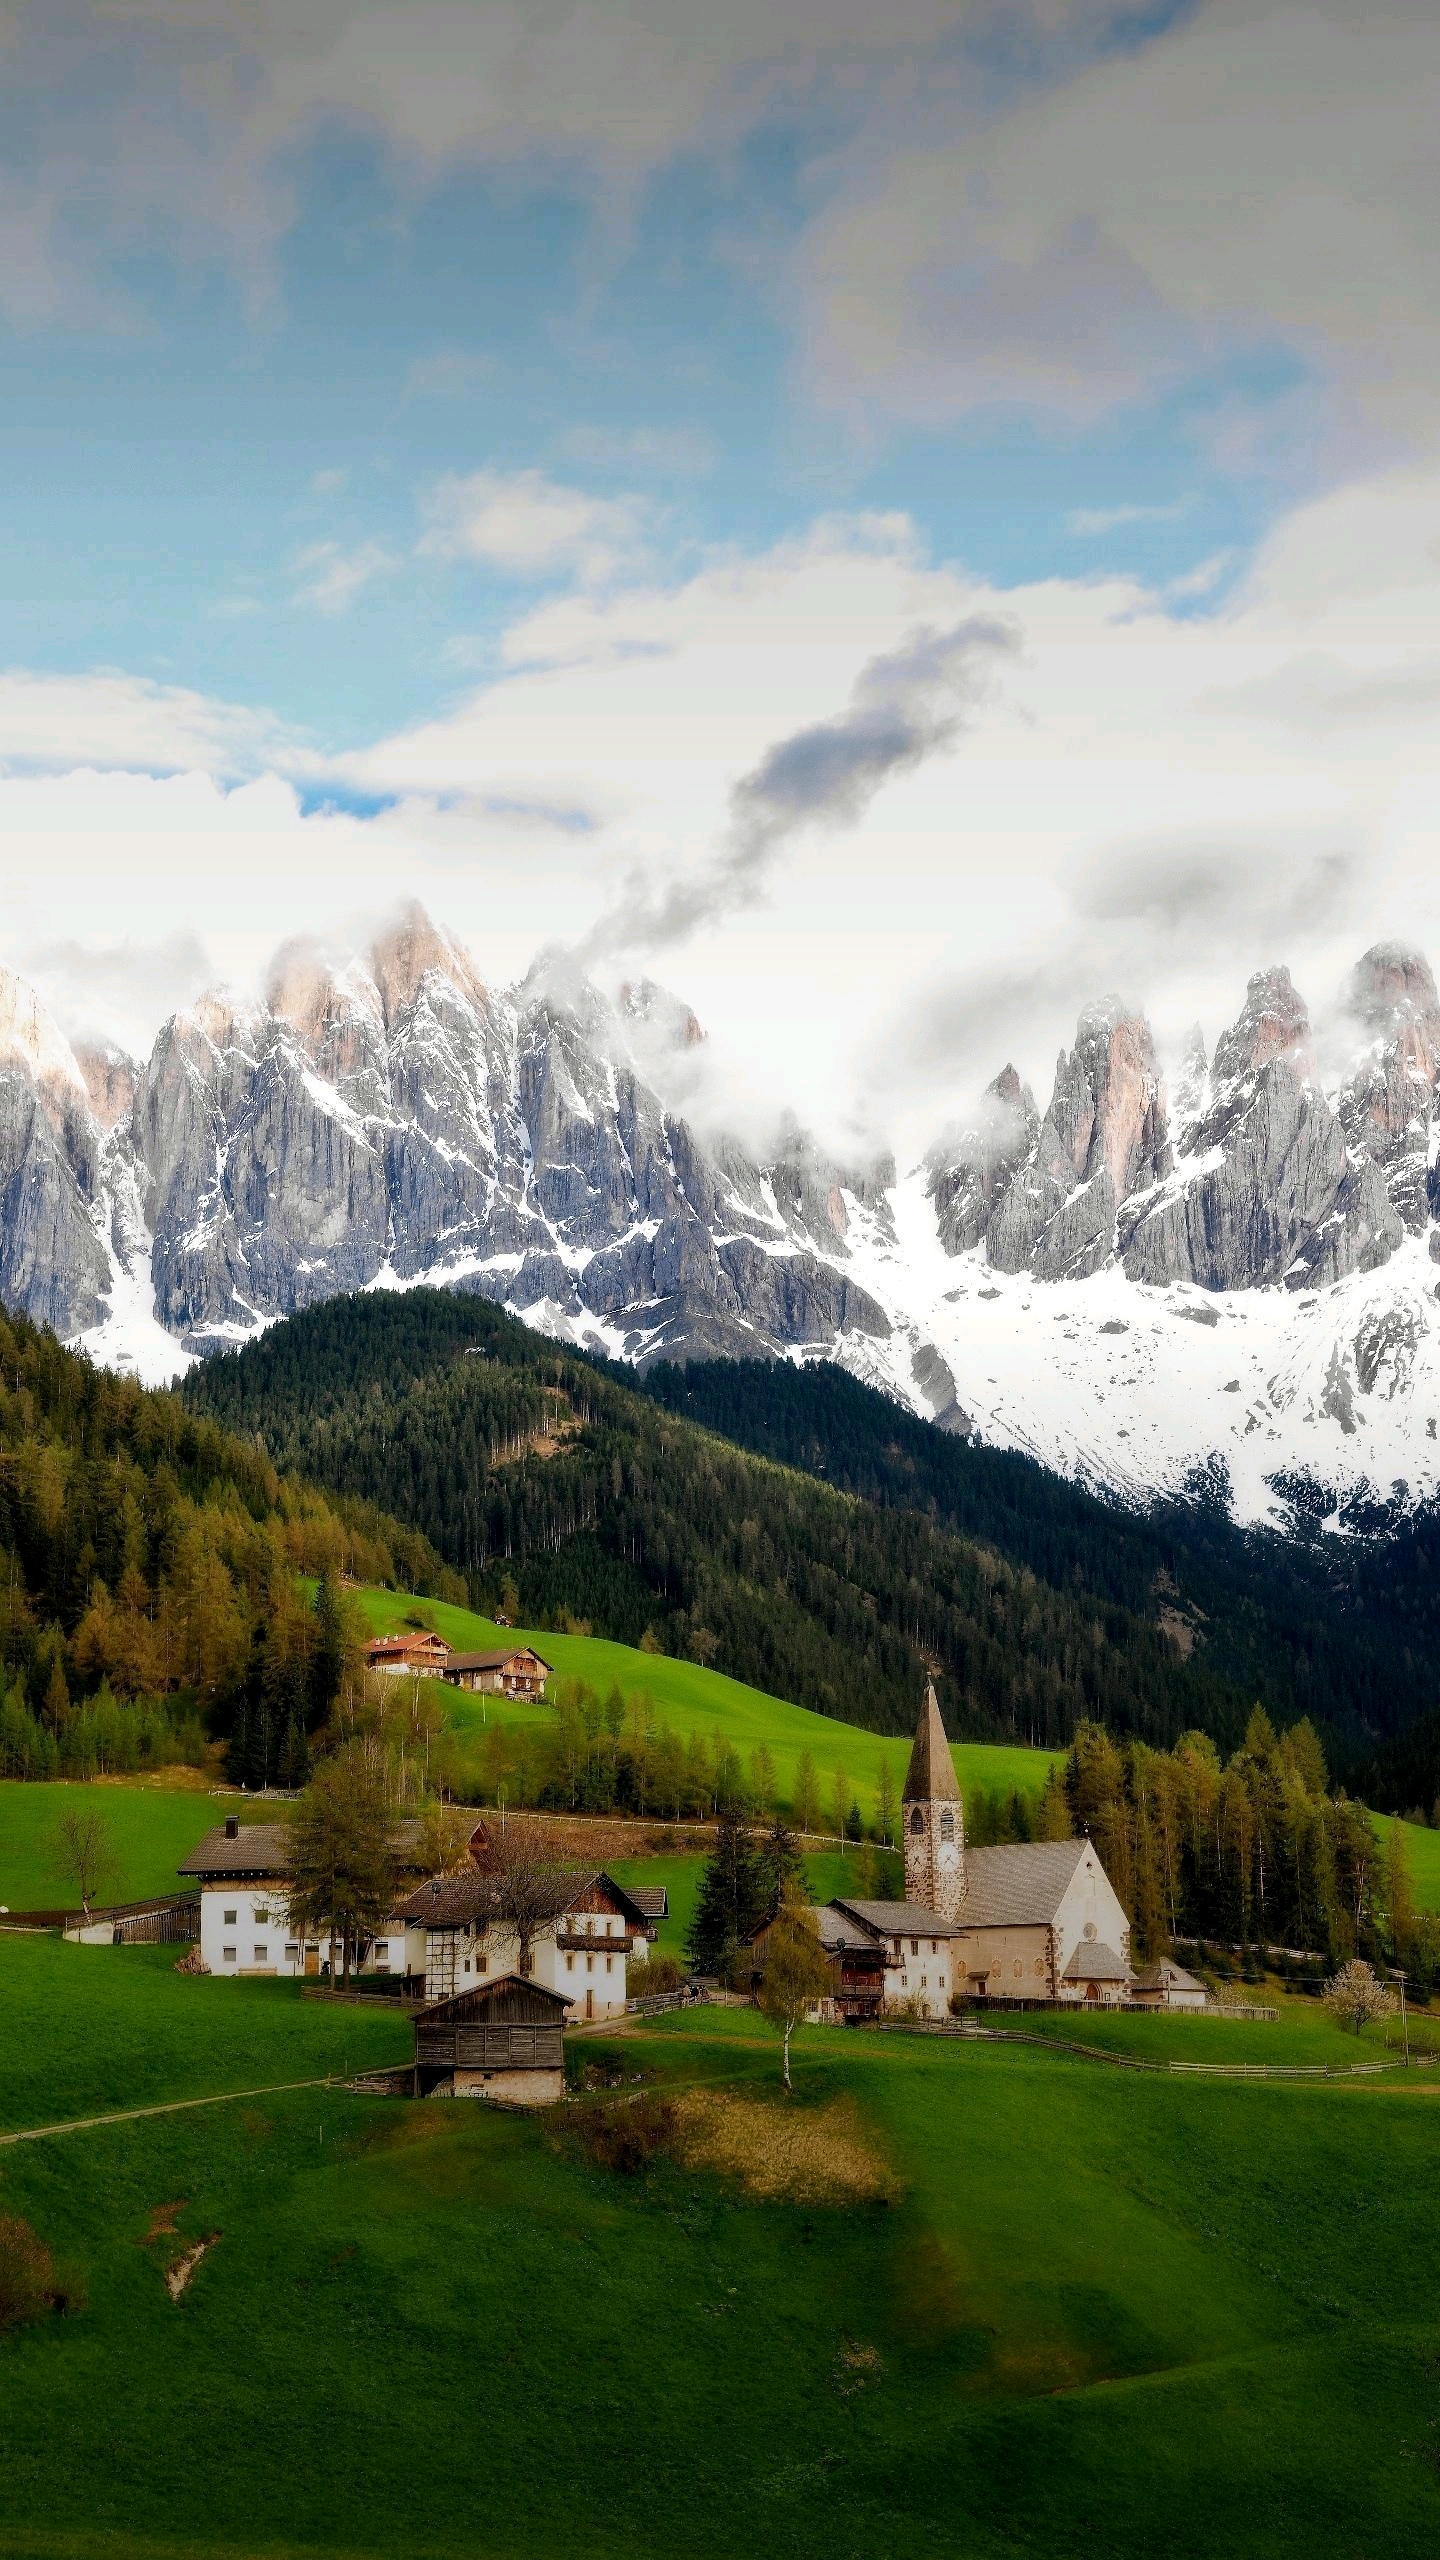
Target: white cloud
[[1144, 801], [1255, 175], [1085, 521], [114, 722], [529, 526], [331, 577]]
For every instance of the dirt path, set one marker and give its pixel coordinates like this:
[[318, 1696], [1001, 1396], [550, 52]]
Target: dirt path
[[170, 2107]]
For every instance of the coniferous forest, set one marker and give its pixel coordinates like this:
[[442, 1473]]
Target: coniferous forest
[[846, 1548], [149, 1591]]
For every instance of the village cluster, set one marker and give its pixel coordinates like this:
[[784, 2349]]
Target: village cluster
[[1033, 1922]]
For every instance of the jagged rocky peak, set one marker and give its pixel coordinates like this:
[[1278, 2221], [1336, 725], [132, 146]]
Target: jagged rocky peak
[[111, 1080], [1387, 1102], [1272, 1023], [407, 951], [1104, 1137], [1190, 1084], [664, 1016], [972, 1169], [32, 1041], [52, 1261], [336, 1015], [1390, 984]]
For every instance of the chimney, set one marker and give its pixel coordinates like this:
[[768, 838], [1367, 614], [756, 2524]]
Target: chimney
[[232, 1826]]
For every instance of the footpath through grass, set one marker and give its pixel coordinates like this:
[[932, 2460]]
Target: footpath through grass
[[692, 1700], [1080, 2309]]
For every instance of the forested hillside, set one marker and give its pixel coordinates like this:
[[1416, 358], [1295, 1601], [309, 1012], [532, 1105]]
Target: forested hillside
[[1342, 1630], [148, 1574], [554, 1482]]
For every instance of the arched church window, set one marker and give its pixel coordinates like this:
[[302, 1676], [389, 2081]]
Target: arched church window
[[917, 1823], [947, 1824]]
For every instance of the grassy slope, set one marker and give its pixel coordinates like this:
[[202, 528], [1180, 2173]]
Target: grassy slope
[[1101, 2311], [1424, 1848], [150, 1829], [689, 1698]]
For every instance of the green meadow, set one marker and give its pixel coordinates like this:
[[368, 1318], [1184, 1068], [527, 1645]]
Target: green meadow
[[1071, 2308], [151, 1829], [694, 1700]]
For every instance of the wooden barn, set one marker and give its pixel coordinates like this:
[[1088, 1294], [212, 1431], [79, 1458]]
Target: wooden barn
[[504, 2039], [416, 1654], [510, 1671]]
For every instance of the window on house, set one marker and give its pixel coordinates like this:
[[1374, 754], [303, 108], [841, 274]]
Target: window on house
[[569, 1964], [589, 1964], [382, 1951], [917, 1823], [609, 1964], [292, 1950], [262, 1955], [914, 1946], [261, 1916], [227, 1955], [230, 1918], [947, 1824], [934, 1946]]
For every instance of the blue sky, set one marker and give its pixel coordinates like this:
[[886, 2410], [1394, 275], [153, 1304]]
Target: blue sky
[[378, 386]]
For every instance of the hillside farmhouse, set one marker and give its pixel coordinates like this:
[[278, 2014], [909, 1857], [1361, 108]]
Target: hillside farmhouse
[[504, 2039], [416, 1654], [1040, 1921], [443, 1937], [513, 1671]]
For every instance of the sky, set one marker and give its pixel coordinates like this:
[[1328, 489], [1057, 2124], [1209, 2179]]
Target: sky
[[892, 522]]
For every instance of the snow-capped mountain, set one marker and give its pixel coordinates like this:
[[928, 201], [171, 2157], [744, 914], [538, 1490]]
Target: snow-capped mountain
[[1237, 1277]]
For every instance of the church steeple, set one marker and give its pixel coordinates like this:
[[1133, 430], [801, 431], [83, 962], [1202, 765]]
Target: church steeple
[[934, 1818]]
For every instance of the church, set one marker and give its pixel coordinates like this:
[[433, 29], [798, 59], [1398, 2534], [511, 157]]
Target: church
[[1037, 1921]]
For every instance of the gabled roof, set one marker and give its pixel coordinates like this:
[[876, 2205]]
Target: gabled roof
[[652, 1899], [839, 1934], [931, 1773], [1093, 1961], [263, 1849], [1157, 1977], [896, 1919], [450, 1902], [1020, 1886], [494, 1661], [482, 1994]]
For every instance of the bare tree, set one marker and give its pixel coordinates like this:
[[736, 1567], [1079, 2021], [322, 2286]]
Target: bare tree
[[84, 1852], [529, 1888], [1354, 1996]]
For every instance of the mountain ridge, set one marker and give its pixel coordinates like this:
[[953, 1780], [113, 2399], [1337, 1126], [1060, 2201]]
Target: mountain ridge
[[1092, 1283]]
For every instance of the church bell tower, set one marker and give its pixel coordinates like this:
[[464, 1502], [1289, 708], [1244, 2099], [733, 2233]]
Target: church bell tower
[[933, 1817]]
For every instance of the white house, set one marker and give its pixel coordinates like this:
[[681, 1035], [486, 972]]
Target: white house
[[242, 1869], [581, 1950], [443, 1937]]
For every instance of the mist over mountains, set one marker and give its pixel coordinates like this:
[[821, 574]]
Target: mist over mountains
[[1225, 1280]]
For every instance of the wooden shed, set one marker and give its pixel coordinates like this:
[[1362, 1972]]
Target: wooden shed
[[504, 2039]]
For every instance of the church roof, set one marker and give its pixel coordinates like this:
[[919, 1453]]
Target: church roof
[[1019, 1886], [931, 1774]]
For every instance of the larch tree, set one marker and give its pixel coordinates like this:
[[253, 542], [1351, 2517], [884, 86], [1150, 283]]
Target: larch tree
[[795, 1976], [343, 1870]]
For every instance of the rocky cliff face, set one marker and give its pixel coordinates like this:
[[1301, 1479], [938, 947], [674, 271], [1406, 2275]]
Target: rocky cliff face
[[396, 1120], [1257, 1178], [1082, 1282]]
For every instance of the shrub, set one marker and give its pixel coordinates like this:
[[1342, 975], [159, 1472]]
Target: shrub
[[660, 1975], [626, 2134], [30, 2283]]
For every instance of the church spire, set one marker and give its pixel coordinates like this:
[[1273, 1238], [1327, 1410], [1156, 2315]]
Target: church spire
[[933, 1816]]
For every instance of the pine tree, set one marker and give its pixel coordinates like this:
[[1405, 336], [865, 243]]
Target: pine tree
[[730, 1903], [806, 1805], [885, 1805], [779, 1866]]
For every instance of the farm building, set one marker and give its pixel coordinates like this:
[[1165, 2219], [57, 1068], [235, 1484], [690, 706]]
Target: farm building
[[417, 1653], [500, 2039], [1167, 1985], [242, 1869], [161, 1920], [513, 1671], [578, 1947]]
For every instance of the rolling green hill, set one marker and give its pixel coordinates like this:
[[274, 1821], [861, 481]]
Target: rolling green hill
[[695, 1700], [1058, 2306]]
